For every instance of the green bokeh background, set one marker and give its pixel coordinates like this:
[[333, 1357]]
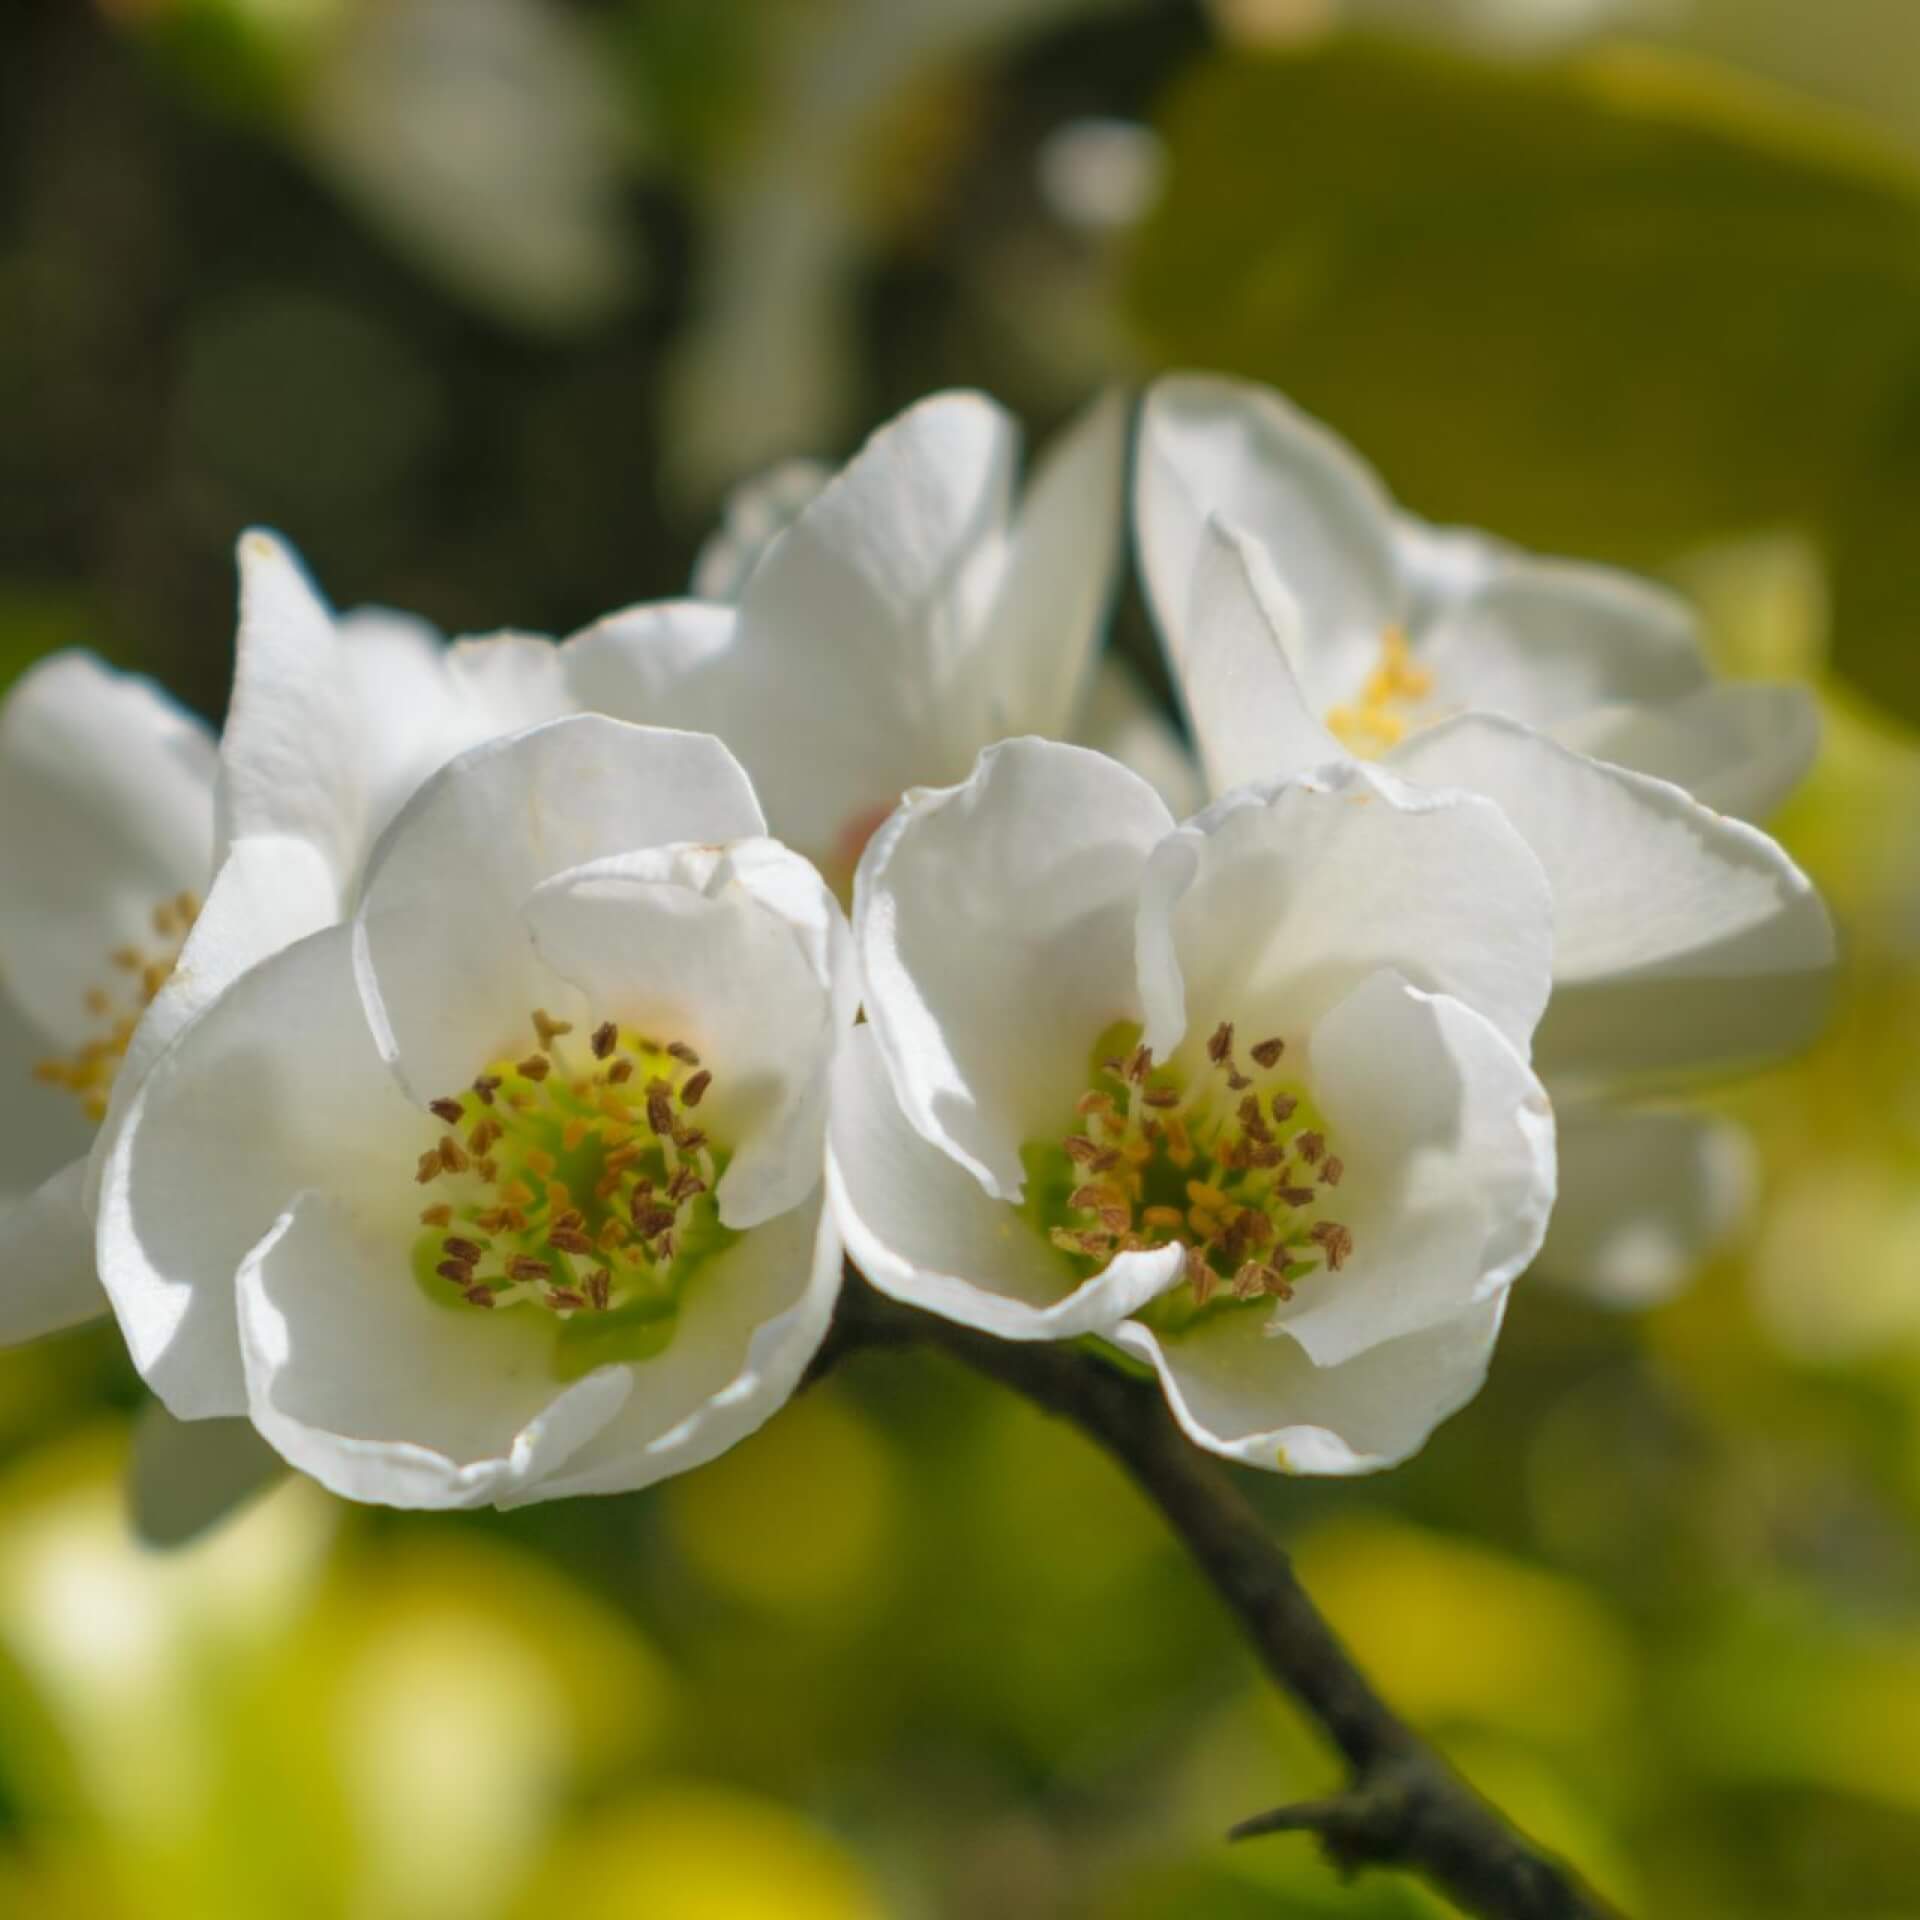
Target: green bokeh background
[[913, 1651]]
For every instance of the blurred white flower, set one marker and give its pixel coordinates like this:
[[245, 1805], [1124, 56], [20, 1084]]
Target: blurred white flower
[[510, 1188], [1248, 1096], [900, 615], [1307, 621], [487, 139]]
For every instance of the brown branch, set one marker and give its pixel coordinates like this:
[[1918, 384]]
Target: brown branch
[[1403, 1806]]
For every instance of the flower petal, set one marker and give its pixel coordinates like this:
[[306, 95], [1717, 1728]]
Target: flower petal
[[106, 812], [1738, 747], [742, 953], [852, 631], [1684, 941], [443, 965], [994, 927], [754, 515], [1250, 714], [273, 1085], [1447, 1144], [1645, 1196], [1058, 582], [1544, 641], [186, 1476], [747, 1334], [1441, 566], [1123, 721], [1214, 446], [47, 1280], [1276, 902], [925, 1231], [656, 665], [355, 1377], [1240, 1393]]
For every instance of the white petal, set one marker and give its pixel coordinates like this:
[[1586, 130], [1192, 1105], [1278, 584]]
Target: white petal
[[276, 1087], [106, 812], [740, 952], [1276, 902], [269, 892], [1447, 1141], [1214, 446], [925, 1231], [1645, 1197], [754, 515], [1737, 747], [290, 752], [41, 1127], [445, 965], [188, 1475], [1441, 566], [1123, 721], [994, 924], [1683, 940], [1250, 714], [656, 665], [1543, 641], [1261, 1401], [47, 1280], [357, 1378], [852, 635], [1059, 577], [746, 1335]]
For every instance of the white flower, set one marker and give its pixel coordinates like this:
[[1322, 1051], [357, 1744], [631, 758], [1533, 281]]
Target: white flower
[[900, 615], [510, 1188], [1307, 622], [1248, 1096], [141, 872]]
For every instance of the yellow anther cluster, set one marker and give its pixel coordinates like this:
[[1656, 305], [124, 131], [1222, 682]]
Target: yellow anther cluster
[[1231, 1168], [1380, 718], [88, 1073], [574, 1178]]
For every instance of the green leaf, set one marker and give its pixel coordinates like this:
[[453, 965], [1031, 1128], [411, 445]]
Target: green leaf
[[1613, 306]]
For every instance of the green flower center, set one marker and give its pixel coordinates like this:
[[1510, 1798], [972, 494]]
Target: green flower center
[[1233, 1164], [575, 1184]]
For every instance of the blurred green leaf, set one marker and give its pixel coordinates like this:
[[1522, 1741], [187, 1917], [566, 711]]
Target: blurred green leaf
[[1612, 306]]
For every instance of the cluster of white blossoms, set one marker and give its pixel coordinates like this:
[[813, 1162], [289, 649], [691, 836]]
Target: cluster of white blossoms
[[463, 1076]]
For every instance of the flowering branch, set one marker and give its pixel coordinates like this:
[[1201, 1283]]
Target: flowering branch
[[1403, 1806]]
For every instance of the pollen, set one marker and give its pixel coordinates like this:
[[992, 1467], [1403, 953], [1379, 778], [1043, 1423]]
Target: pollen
[[88, 1072], [1224, 1160], [568, 1200], [1389, 701]]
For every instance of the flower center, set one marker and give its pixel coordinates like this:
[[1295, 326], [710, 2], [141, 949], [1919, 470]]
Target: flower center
[[1231, 1167], [1389, 700], [88, 1072], [575, 1183]]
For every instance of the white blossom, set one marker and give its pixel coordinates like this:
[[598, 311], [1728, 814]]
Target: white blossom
[[1248, 1096], [510, 1187]]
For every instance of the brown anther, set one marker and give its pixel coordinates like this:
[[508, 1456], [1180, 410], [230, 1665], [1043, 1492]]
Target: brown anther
[[1104, 1161], [1220, 1043], [666, 1247], [1179, 1143], [660, 1108], [1310, 1147], [488, 1169], [620, 1073], [1079, 1148], [457, 1271], [569, 1240], [685, 1185], [1139, 1064], [1250, 1280], [1093, 1101], [1161, 1097], [683, 1053], [536, 1066], [1255, 1227], [467, 1252], [486, 1086], [1236, 1080], [1334, 1241], [429, 1167], [1278, 1284], [479, 1297], [615, 1232], [523, 1266], [600, 1287], [1334, 1170], [1092, 1196], [651, 1219], [565, 1299], [689, 1139], [1295, 1196], [1282, 1107], [606, 1036], [451, 1111], [519, 1099], [1116, 1219], [516, 1193], [1267, 1053], [440, 1216], [1265, 1154], [695, 1090], [492, 1220], [1252, 1120], [484, 1134], [453, 1156], [1200, 1277]]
